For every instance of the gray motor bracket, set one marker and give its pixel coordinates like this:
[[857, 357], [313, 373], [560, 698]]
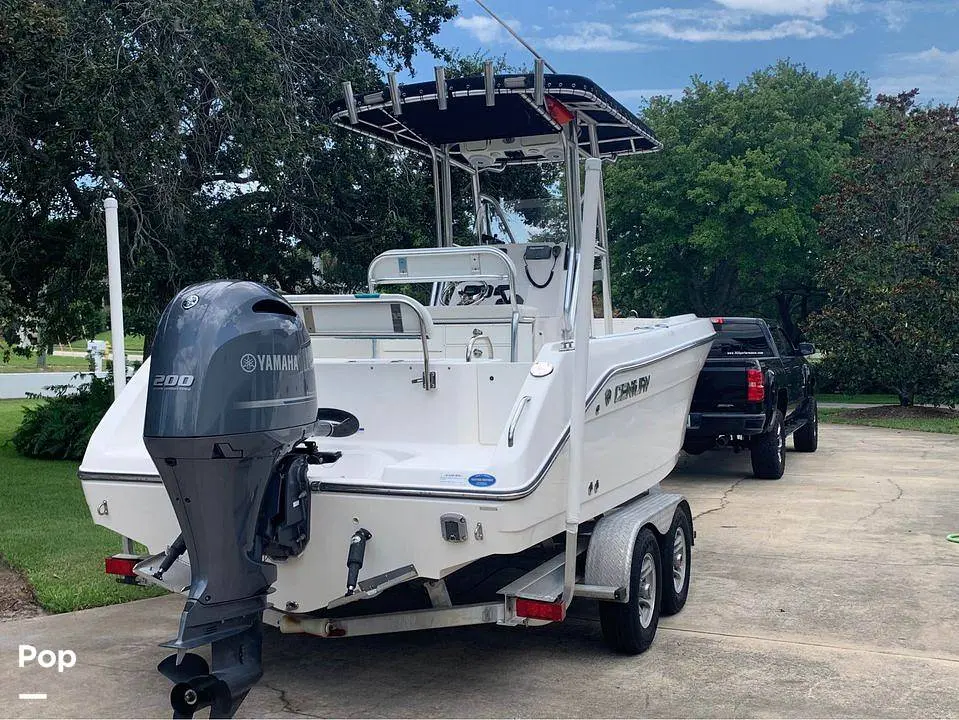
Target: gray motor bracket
[[609, 556]]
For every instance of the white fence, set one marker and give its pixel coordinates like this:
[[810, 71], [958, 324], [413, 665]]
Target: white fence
[[17, 385]]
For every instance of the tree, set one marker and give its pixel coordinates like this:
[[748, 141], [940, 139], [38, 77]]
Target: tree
[[892, 225], [721, 220], [209, 120]]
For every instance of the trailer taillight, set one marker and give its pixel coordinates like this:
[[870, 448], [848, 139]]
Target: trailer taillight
[[539, 610], [755, 387], [121, 565], [717, 320]]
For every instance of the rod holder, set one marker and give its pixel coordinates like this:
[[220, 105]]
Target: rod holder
[[350, 101], [440, 73], [395, 93], [489, 83], [539, 82]]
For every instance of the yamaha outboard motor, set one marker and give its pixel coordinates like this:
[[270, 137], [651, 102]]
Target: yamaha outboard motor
[[232, 398]]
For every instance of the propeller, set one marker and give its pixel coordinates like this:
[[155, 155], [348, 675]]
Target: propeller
[[189, 666], [200, 692]]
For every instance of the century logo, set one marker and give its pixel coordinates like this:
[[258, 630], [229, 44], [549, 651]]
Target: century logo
[[270, 363]]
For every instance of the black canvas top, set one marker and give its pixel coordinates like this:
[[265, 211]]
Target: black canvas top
[[467, 117]]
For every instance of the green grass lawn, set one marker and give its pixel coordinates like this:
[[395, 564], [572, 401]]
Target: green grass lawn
[[948, 426], [59, 363], [131, 343], [859, 399], [46, 531]]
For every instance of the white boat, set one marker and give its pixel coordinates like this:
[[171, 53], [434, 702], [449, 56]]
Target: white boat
[[497, 431]]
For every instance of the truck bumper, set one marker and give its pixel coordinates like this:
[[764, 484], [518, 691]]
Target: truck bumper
[[715, 424]]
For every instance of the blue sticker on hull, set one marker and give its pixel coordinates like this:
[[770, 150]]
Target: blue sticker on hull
[[482, 480]]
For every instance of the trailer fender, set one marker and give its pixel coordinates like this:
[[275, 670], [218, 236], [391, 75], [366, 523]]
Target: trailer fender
[[610, 552]]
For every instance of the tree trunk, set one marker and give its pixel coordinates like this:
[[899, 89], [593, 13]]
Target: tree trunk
[[789, 327], [147, 345]]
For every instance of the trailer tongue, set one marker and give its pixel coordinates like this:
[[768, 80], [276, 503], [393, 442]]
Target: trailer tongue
[[232, 393]]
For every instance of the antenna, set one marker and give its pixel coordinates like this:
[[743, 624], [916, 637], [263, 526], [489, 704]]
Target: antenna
[[515, 35]]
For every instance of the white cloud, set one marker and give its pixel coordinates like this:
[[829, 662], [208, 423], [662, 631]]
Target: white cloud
[[935, 72], [591, 36], [894, 12], [484, 28], [725, 25], [762, 20], [815, 9], [944, 59], [801, 29]]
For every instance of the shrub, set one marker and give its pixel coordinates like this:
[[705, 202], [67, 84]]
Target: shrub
[[60, 428], [833, 375]]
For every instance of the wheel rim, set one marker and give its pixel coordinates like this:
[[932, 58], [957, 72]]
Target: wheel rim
[[679, 560], [782, 445], [646, 593]]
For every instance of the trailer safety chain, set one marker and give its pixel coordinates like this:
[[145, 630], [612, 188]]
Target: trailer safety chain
[[953, 537]]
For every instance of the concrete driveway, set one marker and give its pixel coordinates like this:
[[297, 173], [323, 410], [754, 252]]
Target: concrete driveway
[[829, 593]]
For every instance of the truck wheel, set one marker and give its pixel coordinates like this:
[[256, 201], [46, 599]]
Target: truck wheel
[[806, 438], [768, 450], [676, 549], [631, 626]]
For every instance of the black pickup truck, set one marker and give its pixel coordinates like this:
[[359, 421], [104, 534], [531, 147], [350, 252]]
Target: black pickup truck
[[755, 389]]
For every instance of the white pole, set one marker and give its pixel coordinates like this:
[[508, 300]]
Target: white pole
[[116, 313], [116, 296], [581, 331]]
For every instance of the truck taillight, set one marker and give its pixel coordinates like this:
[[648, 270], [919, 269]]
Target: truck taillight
[[755, 387]]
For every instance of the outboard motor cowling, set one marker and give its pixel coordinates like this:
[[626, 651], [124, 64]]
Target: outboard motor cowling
[[232, 391]]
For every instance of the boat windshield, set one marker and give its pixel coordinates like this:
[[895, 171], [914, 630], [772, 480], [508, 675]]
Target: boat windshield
[[537, 220]]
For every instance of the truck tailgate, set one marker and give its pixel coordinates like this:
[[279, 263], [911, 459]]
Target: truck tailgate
[[722, 387]]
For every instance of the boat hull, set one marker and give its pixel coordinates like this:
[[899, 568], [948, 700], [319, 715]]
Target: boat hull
[[641, 384]]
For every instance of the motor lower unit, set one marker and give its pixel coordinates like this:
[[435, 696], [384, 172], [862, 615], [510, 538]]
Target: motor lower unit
[[232, 399]]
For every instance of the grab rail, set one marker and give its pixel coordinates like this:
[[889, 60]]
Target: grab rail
[[449, 264], [472, 344], [352, 320], [514, 419]]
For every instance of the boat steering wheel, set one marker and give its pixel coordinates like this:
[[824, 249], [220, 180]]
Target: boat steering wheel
[[469, 292]]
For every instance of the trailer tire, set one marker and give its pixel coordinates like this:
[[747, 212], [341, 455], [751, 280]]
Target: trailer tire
[[806, 438], [768, 451], [630, 627], [676, 561]]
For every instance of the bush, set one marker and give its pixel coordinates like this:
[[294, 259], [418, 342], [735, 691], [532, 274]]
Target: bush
[[60, 428], [835, 376]]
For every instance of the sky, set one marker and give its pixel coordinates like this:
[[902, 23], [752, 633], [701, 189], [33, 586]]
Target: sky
[[638, 48]]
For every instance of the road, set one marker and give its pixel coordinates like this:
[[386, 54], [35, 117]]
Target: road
[[829, 593]]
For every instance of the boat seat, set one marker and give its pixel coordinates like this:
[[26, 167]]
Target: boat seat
[[444, 314], [363, 316]]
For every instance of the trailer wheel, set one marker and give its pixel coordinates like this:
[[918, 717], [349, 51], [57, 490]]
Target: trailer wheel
[[631, 626], [768, 451], [806, 438], [676, 549]]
